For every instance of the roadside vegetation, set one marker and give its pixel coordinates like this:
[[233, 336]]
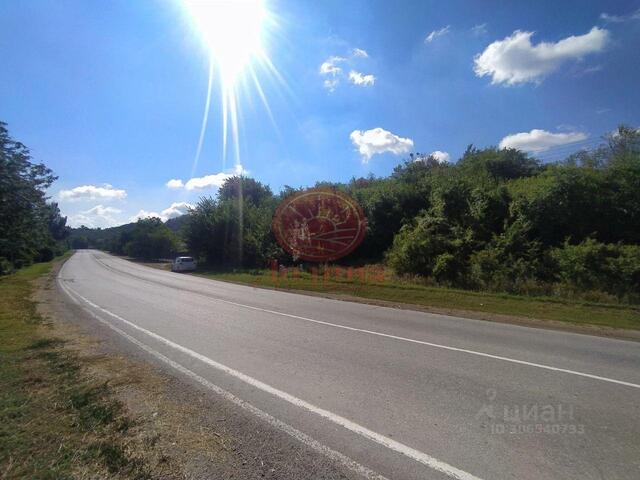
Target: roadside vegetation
[[31, 227], [370, 284], [496, 221], [55, 423], [496, 232]]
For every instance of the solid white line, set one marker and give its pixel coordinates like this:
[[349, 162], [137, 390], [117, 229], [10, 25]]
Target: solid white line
[[436, 345], [394, 445], [420, 342], [271, 420]]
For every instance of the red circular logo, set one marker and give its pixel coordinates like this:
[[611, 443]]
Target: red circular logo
[[319, 225]]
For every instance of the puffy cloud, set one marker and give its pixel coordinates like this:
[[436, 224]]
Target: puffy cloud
[[440, 156], [516, 60], [358, 78], [437, 33], [358, 52], [620, 18], [98, 216], [92, 192], [175, 183], [378, 140], [175, 210], [208, 181], [144, 214], [332, 70], [330, 66], [540, 140]]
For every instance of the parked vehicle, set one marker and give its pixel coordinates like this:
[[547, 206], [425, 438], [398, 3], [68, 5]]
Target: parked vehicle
[[183, 264]]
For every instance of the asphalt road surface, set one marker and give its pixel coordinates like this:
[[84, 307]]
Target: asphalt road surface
[[383, 392]]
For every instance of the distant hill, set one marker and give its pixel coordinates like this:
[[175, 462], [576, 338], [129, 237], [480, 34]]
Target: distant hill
[[175, 224], [85, 237]]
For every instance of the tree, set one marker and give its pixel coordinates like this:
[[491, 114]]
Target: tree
[[235, 228], [30, 228], [151, 239]]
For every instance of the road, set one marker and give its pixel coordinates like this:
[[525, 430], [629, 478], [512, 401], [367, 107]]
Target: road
[[384, 392]]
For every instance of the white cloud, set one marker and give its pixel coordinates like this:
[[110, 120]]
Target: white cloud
[[332, 69], [330, 66], [540, 140], [480, 29], [377, 140], [92, 192], [515, 60], [175, 183], [144, 214], [437, 33], [98, 216], [208, 181], [358, 78], [331, 84], [440, 156], [358, 52], [620, 18], [175, 210]]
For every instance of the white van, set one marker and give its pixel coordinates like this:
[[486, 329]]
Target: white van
[[183, 264]]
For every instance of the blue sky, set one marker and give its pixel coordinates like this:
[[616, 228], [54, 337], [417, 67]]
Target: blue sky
[[110, 95]]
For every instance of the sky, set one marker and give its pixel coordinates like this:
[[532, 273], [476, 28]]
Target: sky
[[111, 95]]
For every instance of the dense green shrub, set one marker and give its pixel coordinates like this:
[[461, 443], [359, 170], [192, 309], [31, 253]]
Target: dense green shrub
[[150, 239], [590, 265], [234, 229]]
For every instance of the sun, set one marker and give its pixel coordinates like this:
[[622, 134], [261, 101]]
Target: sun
[[234, 33], [232, 30]]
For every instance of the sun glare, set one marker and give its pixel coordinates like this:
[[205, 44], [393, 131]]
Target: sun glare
[[234, 33], [232, 30]]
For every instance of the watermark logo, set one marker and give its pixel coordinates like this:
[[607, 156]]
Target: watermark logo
[[522, 419], [319, 225], [371, 274]]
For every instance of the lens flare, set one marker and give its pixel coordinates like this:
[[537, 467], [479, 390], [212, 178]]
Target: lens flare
[[233, 31]]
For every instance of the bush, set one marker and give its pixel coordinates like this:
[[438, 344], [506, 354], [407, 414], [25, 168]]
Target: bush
[[595, 266], [151, 239], [6, 267]]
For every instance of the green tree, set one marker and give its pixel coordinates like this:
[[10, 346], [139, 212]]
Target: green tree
[[235, 228], [151, 239], [30, 228]]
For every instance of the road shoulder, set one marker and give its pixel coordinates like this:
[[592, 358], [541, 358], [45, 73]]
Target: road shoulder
[[179, 429]]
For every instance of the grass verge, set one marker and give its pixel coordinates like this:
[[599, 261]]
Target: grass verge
[[446, 299], [54, 422]]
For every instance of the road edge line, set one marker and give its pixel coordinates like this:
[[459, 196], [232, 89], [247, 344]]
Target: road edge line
[[375, 437]]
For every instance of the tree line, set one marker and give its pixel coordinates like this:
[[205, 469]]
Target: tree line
[[495, 220], [31, 227]]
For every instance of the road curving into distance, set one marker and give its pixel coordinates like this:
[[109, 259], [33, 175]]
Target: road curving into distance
[[385, 393]]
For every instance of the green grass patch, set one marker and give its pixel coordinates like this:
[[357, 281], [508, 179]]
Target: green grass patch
[[54, 422], [407, 292]]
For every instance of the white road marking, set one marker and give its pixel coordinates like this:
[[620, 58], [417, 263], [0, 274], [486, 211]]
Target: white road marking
[[271, 420], [436, 345], [394, 445], [420, 342]]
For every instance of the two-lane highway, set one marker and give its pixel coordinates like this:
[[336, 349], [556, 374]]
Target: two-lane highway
[[387, 392]]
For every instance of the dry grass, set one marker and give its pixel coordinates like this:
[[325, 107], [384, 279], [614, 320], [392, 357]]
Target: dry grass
[[69, 411]]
